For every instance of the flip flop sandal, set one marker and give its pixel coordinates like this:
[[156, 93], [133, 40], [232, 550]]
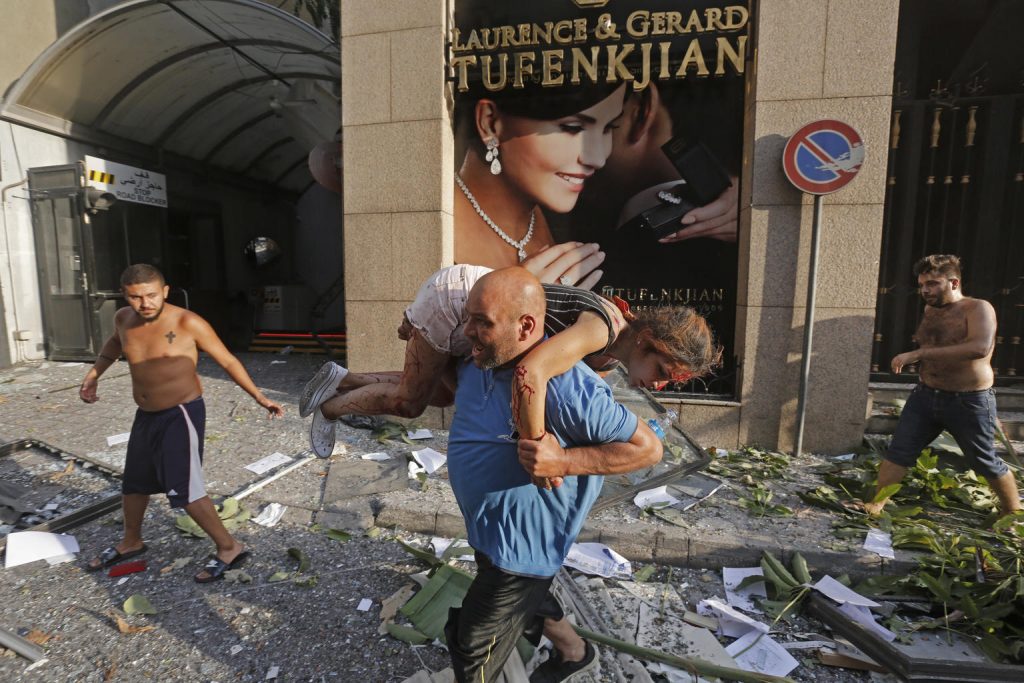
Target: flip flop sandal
[[216, 567], [112, 556]]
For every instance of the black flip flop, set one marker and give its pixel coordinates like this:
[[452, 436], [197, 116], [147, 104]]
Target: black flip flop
[[216, 567], [111, 556]]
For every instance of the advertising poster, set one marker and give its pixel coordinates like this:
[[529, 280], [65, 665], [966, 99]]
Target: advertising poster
[[609, 122]]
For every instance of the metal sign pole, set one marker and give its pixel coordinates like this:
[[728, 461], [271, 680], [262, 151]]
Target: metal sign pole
[[805, 364]]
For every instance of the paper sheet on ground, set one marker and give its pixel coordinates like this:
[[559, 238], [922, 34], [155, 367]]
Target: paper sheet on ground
[[731, 623], [657, 497], [765, 656], [864, 617], [743, 598], [375, 456], [118, 439], [599, 559], [831, 588], [429, 459], [419, 434], [268, 463], [28, 546], [441, 545], [364, 605], [270, 515], [880, 543]]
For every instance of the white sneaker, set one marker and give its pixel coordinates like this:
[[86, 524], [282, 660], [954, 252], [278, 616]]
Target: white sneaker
[[321, 435], [321, 387]]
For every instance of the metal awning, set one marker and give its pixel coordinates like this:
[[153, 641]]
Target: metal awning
[[237, 84]]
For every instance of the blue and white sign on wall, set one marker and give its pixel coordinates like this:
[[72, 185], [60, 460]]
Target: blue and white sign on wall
[[823, 156]]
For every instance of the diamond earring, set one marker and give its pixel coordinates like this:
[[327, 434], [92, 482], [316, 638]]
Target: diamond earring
[[492, 155]]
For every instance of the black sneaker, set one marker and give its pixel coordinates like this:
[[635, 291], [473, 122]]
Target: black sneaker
[[554, 670]]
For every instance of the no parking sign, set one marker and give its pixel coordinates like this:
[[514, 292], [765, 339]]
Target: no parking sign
[[818, 159], [823, 156]]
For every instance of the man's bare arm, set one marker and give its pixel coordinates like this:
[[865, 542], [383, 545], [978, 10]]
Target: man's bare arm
[[208, 341], [545, 457], [108, 355], [981, 335]]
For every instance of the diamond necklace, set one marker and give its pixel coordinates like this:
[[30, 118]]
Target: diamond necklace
[[520, 246]]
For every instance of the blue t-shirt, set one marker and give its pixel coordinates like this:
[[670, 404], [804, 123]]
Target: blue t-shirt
[[524, 529]]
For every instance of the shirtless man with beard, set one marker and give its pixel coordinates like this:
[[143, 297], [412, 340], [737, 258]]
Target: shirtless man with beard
[[161, 343], [956, 339]]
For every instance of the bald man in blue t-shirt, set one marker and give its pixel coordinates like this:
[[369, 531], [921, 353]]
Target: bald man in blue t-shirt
[[521, 532]]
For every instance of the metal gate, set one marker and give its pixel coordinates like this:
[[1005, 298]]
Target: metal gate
[[955, 186]]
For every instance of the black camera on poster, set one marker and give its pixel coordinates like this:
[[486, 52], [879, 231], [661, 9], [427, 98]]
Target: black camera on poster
[[705, 179]]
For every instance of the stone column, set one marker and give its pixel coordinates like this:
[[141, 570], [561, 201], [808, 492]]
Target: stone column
[[815, 60], [398, 167]]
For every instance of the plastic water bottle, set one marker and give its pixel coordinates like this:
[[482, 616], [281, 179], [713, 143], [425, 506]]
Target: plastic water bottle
[[661, 424]]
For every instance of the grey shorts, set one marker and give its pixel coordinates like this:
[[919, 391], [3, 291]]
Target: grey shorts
[[439, 310]]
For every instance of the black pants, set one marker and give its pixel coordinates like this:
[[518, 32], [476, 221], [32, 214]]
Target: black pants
[[498, 609]]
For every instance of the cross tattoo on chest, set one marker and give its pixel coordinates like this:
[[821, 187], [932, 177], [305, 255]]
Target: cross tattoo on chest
[[170, 337]]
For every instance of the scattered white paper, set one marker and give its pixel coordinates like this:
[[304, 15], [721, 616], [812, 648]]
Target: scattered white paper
[[599, 559], [731, 623], [765, 656], [430, 459], [60, 559], [880, 543], [51, 506], [864, 617], [270, 515], [28, 546], [274, 671], [657, 497], [420, 434], [375, 456], [118, 439], [743, 598], [268, 463], [845, 457], [365, 604], [831, 588], [123, 580], [235, 649], [278, 362], [441, 545], [415, 470]]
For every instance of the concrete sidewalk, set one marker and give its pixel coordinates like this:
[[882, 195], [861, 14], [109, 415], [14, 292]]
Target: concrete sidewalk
[[41, 402]]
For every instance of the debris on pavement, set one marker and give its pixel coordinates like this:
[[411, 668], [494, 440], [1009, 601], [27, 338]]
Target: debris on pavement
[[264, 465], [29, 546], [270, 515], [599, 559]]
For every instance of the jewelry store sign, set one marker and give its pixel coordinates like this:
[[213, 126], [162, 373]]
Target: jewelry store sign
[[127, 183]]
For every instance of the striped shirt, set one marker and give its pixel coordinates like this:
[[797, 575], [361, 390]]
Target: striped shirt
[[564, 306]]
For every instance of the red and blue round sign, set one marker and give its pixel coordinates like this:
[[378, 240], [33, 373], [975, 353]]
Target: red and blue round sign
[[823, 156]]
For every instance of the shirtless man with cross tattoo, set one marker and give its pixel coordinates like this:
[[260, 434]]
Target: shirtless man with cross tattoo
[[161, 343]]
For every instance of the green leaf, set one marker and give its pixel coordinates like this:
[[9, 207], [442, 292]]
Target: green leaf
[[644, 574], [338, 535], [306, 581], [237, 576], [749, 581], [228, 509], [938, 586], [886, 492], [188, 525], [406, 634], [138, 604], [422, 555], [279, 576], [302, 558]]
